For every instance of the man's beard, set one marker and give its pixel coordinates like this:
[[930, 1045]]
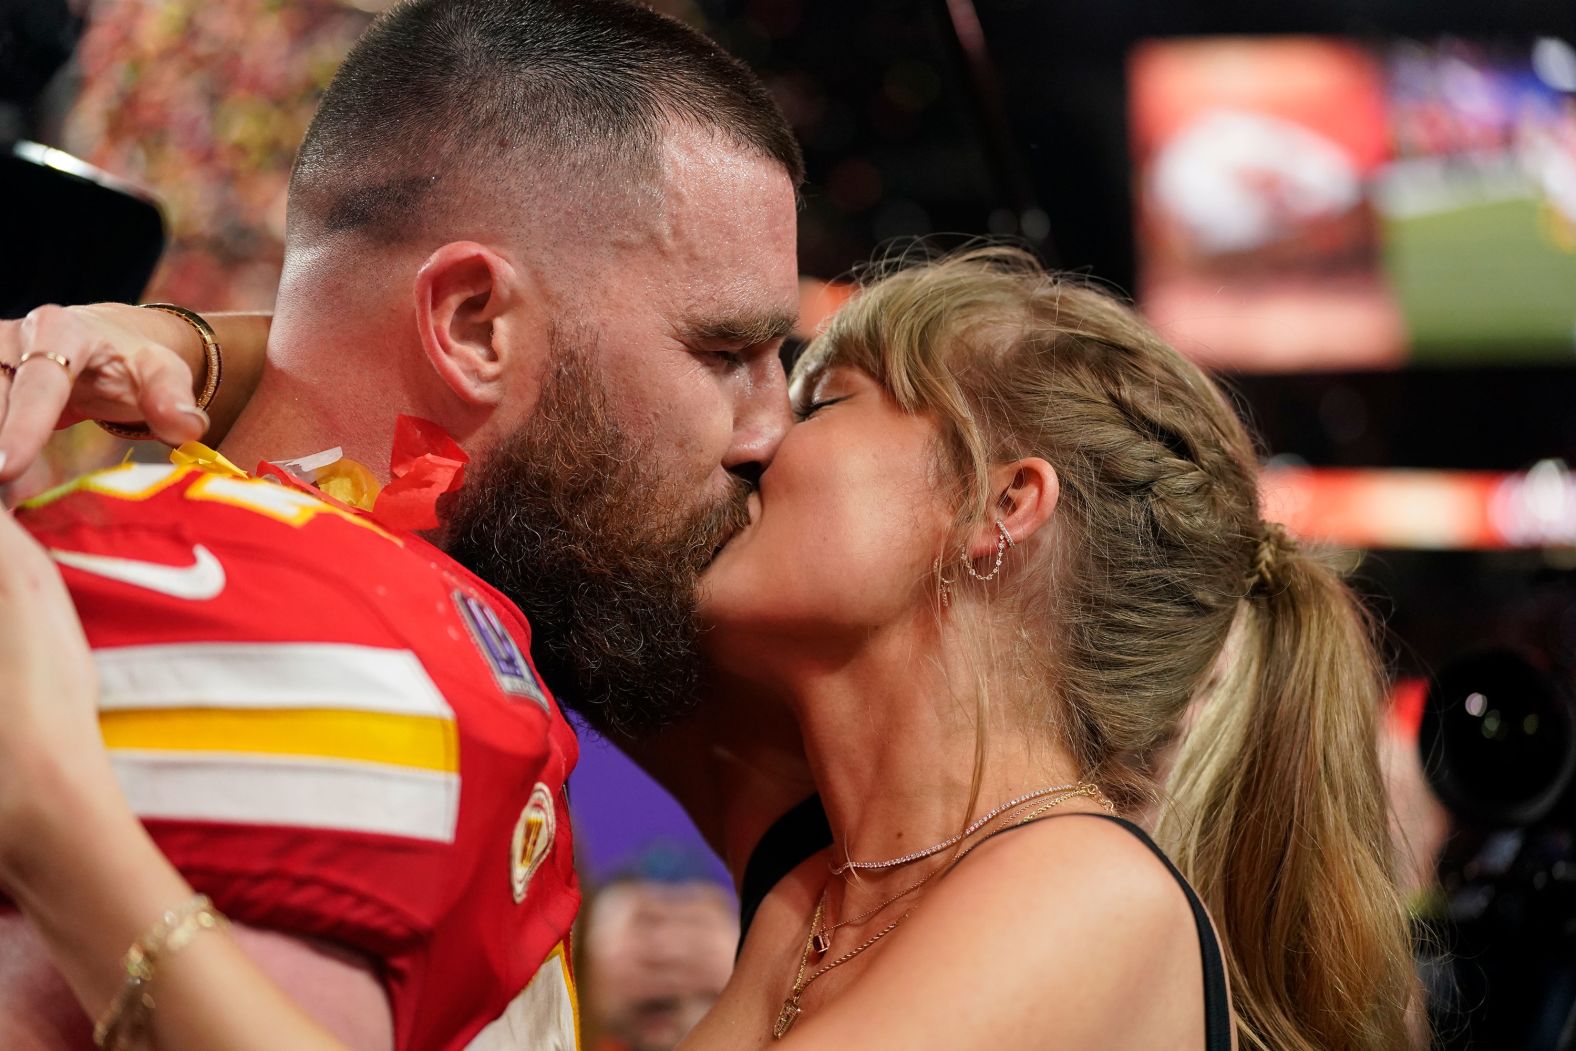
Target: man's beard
[[570, 518]]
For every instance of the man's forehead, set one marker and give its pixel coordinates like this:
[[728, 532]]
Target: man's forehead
[[725, 208]]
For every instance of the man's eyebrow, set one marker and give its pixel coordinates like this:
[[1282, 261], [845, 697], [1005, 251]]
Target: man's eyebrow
[[745, 330]]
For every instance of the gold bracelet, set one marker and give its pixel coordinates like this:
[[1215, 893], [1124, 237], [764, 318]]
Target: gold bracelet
[[126, 1021], [212, 374]]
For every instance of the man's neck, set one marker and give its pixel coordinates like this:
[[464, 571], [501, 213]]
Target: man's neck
[[286, 419]]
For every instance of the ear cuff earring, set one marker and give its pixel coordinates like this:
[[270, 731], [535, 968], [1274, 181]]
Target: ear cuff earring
[[1003, 542]]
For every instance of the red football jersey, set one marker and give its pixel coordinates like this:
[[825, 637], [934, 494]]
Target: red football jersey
[[335, 732]]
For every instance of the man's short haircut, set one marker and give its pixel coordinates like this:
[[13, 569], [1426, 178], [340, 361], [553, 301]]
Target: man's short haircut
[[563, 93]]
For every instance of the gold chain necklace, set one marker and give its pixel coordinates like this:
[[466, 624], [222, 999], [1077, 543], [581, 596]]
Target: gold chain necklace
[[822, 942], [792, 1009], [822, 939]]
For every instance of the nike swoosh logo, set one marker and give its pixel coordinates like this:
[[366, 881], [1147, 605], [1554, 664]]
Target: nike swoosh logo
[[198, 582]]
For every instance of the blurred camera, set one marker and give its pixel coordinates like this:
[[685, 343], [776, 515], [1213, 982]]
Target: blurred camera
[[1498, 738]]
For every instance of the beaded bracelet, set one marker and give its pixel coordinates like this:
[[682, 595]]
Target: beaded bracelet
[[126, 1021]]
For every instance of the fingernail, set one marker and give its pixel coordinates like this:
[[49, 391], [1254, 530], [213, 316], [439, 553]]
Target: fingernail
[[200, 416]]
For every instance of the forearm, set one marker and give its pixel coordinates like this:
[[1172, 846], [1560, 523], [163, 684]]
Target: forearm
[[92, 883], [244, 339], [244, 342]]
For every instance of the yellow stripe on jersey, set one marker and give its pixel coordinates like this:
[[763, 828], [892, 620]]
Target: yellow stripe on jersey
[[303, 735], [420, 742], [568, 972]]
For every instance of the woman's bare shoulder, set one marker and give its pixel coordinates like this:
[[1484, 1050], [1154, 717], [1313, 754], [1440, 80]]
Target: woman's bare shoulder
[[1069, 926], [1074, 873]]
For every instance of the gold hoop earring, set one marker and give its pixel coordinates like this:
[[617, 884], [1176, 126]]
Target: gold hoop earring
[[1003, 542]]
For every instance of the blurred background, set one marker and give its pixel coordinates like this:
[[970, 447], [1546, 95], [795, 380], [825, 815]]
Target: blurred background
[[1362, 212]]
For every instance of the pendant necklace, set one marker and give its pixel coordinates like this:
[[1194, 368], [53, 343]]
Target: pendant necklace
[[819, 940]]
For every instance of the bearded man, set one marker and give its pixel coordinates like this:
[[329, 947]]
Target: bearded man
[[563, 232]]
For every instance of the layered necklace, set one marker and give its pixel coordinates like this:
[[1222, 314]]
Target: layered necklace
[[819, 940]]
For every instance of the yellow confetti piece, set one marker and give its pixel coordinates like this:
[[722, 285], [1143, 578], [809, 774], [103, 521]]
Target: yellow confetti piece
[[350, 483], [198, 455]]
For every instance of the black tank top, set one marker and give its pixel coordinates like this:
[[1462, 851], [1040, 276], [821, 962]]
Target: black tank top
[[797, 835], [803, 831]]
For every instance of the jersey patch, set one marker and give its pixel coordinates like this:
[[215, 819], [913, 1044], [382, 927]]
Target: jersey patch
[[533, 838], [498, 649]]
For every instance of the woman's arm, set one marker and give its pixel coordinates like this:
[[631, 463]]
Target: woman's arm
[[73, 856], [125, 364]]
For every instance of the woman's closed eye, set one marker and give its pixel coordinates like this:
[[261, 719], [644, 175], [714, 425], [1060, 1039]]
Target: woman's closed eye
[[810, 408]]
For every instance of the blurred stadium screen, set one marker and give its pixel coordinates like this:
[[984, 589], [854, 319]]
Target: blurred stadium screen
[[1320, 203], [1394, 509]]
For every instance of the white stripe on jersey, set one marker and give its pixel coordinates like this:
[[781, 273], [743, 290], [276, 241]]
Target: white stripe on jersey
[[267, 675], [132, 479], [281, 790], [544, 1017]]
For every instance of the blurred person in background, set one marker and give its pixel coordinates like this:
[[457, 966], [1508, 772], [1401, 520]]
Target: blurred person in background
[[656, 950]]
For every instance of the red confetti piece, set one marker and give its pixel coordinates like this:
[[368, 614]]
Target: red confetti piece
[[427, 464]]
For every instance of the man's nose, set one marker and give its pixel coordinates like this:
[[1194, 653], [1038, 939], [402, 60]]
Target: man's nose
[[761, 419]]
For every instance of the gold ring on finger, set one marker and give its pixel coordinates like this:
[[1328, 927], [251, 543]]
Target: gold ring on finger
[[59, 359]]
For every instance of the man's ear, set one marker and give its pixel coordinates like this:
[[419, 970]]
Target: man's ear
[[463, 293], [1024, 496]]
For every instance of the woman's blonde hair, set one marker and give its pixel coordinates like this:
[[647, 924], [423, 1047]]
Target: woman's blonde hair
[[1122, 610]]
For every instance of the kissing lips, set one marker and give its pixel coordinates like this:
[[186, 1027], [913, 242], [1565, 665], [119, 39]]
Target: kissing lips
[[750, 513]]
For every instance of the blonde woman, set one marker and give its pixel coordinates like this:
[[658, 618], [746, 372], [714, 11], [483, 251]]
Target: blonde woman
[[1008, 569], [1015, 544]]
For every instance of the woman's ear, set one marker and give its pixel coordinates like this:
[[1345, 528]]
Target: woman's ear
[[462, 292], [1024, 496]]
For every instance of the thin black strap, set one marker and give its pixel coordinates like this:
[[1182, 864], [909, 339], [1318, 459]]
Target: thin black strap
[[797, 835], [1217, 1004]]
